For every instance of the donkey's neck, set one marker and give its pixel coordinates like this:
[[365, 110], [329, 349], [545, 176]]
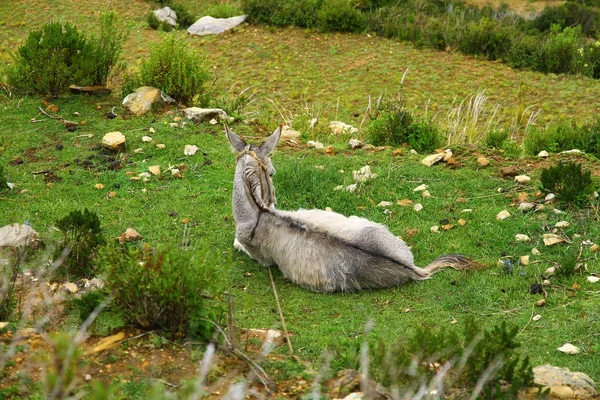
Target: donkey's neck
[[245, 210]]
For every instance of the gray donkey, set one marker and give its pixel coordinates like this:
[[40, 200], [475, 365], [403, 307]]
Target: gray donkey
[[320, 250]]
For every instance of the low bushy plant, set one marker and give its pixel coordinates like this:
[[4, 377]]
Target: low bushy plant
[[566, 15], [153, 21], [564, 135], [82, 234], [303, 13], [176, 70], [341, 16], [495, 138], [58, 55], [184, 18], [162, 289], [568, 181], [224, 10], [425, 136], [487, 37]]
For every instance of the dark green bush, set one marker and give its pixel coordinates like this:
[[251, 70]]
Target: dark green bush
[[82, 234], [495, 138], [224, 10], [153, 22], [301, 13], [425, 136], [390, 127], [527, 51], [162, 289], [340, 16], [176, 70], [568, 14], [568, 181], [488, 38], [184, 18], [409, 363], [58, 55], [560, 50]]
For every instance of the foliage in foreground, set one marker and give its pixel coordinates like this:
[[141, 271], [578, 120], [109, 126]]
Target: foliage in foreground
[[568, 181], [58, 55], [416, 361], [82, 234], [175, 69], [156, 288]]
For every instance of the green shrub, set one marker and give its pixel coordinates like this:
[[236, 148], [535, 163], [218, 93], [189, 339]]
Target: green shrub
[[411, 362], [564, 135], [488, 38], [175, 69], [495, 138], [184, 18], [58, 55], [82, 235], [301, 13], [162, 289], [425, 136], [566, 15], [153, 22], [560, 50], [390, 127], [568, 181], [527, 52], [224, 10], [340, 16]]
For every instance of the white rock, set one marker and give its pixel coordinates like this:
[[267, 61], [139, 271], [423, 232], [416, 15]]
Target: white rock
[[502, 215], [420, 188], [351, 188], [426, 194], [432, 159], [313, 123], [562, 224], [413, 151], [568, 348], [418, 207], [467, 210], [213, 121], [557, 211], [522, 179], [593, 279], [572, 151], [549, 197], [543, 154], [564, 384], [287, 133], [3, 325], [16, 235], [197, 114], [536, 317], [152, 130], [545, 282], [167, 15], [70, 287], [143, 99], [190, 149], [355, 144], [138, 150], [526, 206], [385, 204], [363, 174], [550, 271], [551, 239], [535, 252], [447, 155], [435, 229], [88, 377], [355, 396], [146, 139], [213, 26], [524, 260], [519, 237], [10, 185], [114, 141], [338, 127], [338, 187], [316, 145]]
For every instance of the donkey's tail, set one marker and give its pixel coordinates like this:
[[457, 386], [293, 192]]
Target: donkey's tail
[[455, 261]]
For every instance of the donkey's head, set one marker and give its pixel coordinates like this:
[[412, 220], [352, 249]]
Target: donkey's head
[[256, 166]]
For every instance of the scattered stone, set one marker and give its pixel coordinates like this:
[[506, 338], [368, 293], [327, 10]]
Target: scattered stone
[[549, 197], [535, 252], [130, 235], [213, 26], [543, 154], [432, 159], [166, 14], [595, 248], [550, 271], [152, 130], [143, 99], [27, 332], [287, 133], [3, 325], [522, 179], [562, 224], [563, 383], [519, 237], [524, 260], [316, 145], [536, 317], [593, 279], [176, 173], [338, 128], [70, 287], [483, 161], [363, 174], [467, 210], [525, 206], [509, 172], [190, 150], [155, 169], [541, 303], [546, 282], [447, 227], [329, 151], [550, 239], [88, 377], [426, 194], [107, 343], [568, 348], [572, 151], [418, 207], [404, 202], [160, 146], [146, 139], [414, 152], [99, 186], [355, 144], [447, 155], [138, 150], [69, 124], [435, 229], [462, 222], [114, 141], [420, 188], [16, 235], [385, 204], [502, 215], [397, 152]]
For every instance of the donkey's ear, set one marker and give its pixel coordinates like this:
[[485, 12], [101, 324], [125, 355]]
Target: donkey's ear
[[237, 143], [269, 145]]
